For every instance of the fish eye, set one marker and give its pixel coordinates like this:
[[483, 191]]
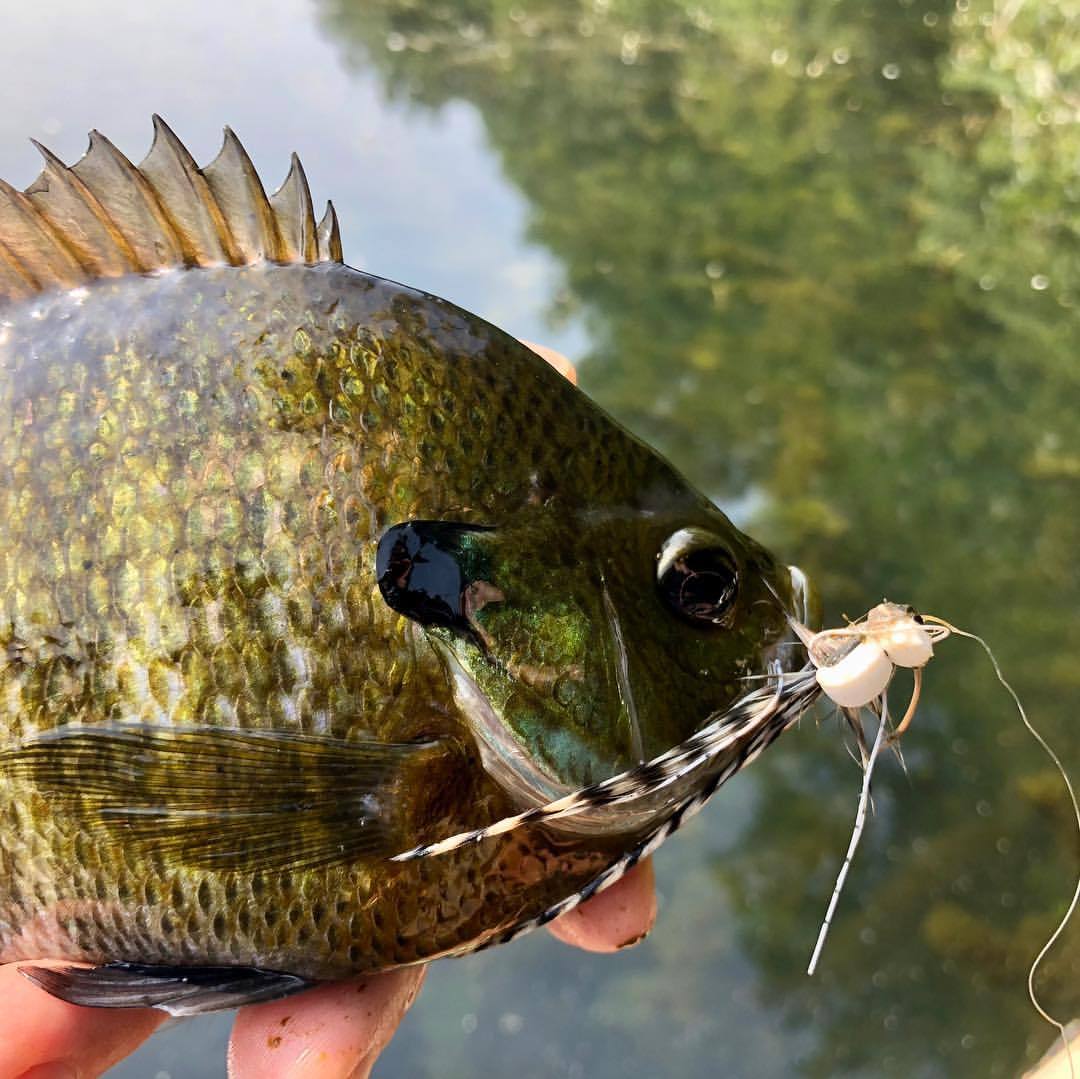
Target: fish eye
[[697, 577]]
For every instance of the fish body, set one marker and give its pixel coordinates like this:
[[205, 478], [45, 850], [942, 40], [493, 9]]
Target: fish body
[[301, 569]]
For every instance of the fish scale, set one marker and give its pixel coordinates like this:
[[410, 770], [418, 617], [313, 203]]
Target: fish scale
[[219, 719]]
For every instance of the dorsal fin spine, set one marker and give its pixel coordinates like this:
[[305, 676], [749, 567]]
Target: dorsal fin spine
[[273, 245], [61, 174], [240, 195], [48, 259], [20, 281], [192, 178], [329, 236], [102, 146], [309, 246], [295, 215]]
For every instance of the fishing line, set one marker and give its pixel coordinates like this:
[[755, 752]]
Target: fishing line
[[1075, 901]]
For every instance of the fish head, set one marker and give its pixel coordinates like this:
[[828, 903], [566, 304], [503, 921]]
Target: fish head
[[581, 641]]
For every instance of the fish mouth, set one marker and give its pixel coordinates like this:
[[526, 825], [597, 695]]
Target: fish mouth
[[730, 740], [659, 794]]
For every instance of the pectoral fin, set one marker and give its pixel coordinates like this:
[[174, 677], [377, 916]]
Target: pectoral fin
[[176, 990], [224, 799]]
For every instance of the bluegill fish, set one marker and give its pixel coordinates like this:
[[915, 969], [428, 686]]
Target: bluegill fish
[[304, 572]]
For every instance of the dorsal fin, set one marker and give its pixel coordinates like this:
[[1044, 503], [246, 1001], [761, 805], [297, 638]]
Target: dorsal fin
[[105, 217]]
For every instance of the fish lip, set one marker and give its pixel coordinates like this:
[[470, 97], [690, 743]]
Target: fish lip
[[805, 598], [800, 604], [800, 593]]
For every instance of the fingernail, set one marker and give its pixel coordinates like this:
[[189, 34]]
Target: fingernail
[[414, 991], [54, 1069], [363, 1069], [631, 941]]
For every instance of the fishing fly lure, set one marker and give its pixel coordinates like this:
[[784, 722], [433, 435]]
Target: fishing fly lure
[[854, 666]]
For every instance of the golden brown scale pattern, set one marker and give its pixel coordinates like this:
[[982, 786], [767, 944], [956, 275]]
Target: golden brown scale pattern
[[196, 467]]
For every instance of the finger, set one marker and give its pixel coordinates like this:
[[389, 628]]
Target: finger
[[616, 918], [59, 1039], [332, 1032], [556, 359]]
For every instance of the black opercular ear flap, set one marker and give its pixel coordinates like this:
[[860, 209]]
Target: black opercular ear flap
[[424, 568]]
